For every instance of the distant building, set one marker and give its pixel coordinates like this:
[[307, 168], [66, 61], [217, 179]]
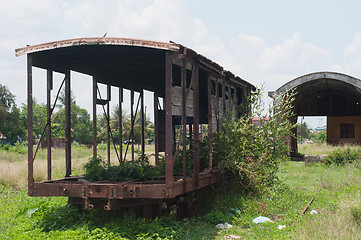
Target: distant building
[[2, 138], [257, 120]]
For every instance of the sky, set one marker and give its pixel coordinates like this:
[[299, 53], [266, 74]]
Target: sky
[[265, 42]]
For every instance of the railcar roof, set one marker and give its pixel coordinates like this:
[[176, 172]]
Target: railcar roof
[[123, 62]]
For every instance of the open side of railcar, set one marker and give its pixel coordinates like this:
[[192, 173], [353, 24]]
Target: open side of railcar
[[190, 93]]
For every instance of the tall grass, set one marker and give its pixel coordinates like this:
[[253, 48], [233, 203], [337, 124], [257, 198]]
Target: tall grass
[[320, 148], [14, 165]]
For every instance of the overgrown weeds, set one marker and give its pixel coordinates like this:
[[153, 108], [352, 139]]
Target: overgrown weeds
[[340, 157], [255, 152]]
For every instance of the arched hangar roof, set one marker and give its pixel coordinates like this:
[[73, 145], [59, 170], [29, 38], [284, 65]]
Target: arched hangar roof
[[317, 81], [325, 93]]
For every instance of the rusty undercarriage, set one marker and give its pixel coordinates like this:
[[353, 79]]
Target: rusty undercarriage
[[189, 91]]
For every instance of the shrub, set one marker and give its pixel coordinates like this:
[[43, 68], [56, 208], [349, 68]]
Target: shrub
[[98, 170], [341, 157], [255, 152], [17, 148]]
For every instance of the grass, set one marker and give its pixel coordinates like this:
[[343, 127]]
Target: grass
[[320, 148], [14, 166], [338, 205]]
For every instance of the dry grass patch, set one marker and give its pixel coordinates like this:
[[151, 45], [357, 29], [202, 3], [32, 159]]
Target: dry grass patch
[[320, 148]]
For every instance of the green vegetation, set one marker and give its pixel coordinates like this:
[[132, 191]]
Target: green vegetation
[[338, 206], [97, 170], [255, 152], [341, 157]]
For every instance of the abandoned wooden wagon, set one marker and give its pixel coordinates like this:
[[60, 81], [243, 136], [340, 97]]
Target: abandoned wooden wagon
[[190, 92]]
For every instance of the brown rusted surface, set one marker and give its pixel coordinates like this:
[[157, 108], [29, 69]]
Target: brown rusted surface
[[67, 126], [94, 117], [156, 129], [120, 116], [196, 127], [181, 77], [97, 41], [184, 122], [168, 121], [30, 127], [157, 189], [48, 113]]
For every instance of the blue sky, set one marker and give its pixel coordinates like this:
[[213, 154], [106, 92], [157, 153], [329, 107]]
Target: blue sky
[[270, 42]]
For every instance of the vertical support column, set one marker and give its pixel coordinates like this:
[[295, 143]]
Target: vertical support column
[[196, 127], [168, 121], [67, 125], [217, 118], [94, 117], [156, 129], [30, 127], [108, 122], [48, 112], [121, 122], [293, 140], [184, 121], [190, 126], [224, 112], [132, 121], [143, 121], [210, 123]]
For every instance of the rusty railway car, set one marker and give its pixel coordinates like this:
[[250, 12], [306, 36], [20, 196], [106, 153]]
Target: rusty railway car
[[189, 92]]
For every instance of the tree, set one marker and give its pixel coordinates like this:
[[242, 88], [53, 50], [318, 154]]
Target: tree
[[7, 100], [14, 127], [303, 131], [81, 126], [39, 117]]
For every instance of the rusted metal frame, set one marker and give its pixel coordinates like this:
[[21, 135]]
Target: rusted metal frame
[[169, 178], [107, 116], [48, 122], [184, 117], [67, 125], [142, 121], [217, 119], [190, 126], [132, 129], [210, 132], [95, 86], [196, 126], [132, 122], [121, 122], [123, 190], [98, 41], [108, 122], [48, 113], [224, 97], [156, 129], [230, 100], [30, 126]]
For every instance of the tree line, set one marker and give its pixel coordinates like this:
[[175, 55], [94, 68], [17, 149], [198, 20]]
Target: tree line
[[13, 121]]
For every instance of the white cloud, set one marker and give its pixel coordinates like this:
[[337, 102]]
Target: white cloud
[[353, 48], [293, 55]]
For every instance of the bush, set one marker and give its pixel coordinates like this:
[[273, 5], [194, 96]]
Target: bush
[[341, 157], [17, 148], [255, 152], [98, 170]]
